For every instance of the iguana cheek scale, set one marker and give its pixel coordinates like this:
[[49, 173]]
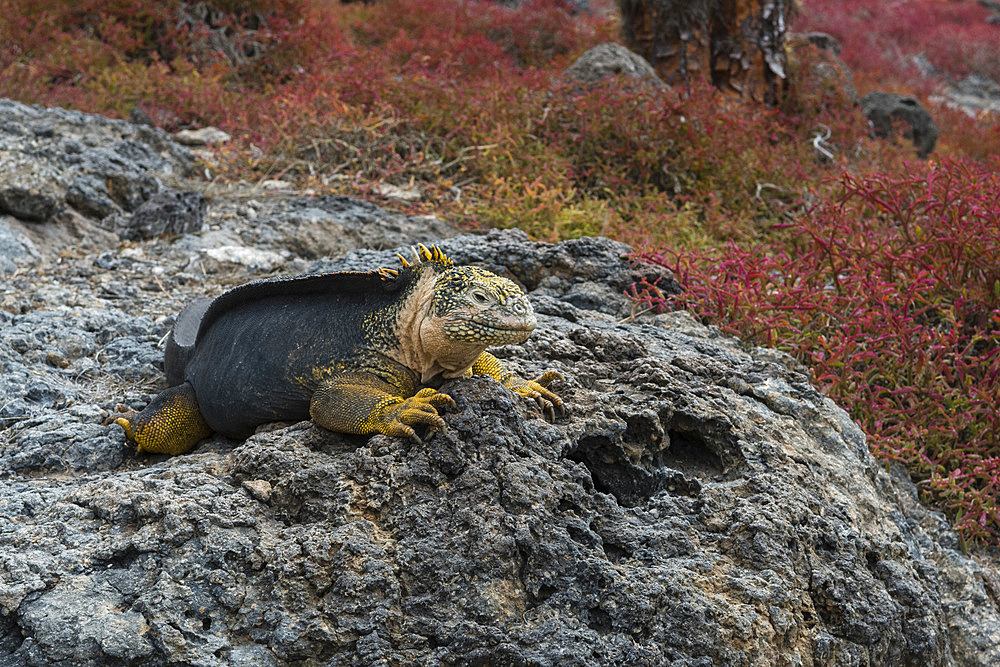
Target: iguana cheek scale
[[350, 350]]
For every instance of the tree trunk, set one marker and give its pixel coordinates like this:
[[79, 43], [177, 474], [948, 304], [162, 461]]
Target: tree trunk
[[739, 45]]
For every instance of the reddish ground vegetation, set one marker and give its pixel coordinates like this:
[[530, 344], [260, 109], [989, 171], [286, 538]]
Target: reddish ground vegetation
[[881, 39], [890, 293], [790, 226], [890, 44]]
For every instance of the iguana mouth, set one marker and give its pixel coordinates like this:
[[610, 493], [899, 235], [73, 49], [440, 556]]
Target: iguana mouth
[[476, 331], [492, 327]]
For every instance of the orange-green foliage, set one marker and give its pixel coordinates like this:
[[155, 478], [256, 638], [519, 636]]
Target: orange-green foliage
[[789, 225], [463, 98]]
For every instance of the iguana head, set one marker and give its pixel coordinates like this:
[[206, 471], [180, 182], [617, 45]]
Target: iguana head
[[457, 311], [472, 305]]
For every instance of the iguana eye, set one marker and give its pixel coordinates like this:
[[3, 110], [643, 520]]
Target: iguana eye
[[480, 298]]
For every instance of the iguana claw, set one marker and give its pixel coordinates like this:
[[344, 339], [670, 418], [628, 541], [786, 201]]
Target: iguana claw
[[421, 408], [538, 391]]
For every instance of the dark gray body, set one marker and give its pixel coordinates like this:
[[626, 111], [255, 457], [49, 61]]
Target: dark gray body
[[256, 347]]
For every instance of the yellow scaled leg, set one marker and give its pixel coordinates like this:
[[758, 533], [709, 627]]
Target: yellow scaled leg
[[536, 390], [363, 405], [170, 424]]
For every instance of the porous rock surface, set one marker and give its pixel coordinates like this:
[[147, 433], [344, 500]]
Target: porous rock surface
[[51, 159], [169, 212], [699, 504]]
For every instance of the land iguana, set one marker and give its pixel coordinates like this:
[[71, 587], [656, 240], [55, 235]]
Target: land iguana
[[350, 349]]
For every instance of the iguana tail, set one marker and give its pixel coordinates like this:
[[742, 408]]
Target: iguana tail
[[180, 342]]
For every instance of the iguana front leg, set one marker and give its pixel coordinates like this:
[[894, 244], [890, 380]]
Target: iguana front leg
[[361, 404], [537, 390]]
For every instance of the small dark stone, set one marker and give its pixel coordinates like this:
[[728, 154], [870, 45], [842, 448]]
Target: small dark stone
[[28, 204], [169, 212], [883, 108], [139, 117]]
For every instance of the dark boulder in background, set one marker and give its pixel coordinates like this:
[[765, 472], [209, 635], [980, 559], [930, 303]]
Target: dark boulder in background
[[883, 109], [701, 503], [167, 212]]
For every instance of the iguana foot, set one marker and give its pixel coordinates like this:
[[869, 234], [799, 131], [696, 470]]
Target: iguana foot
[[538, 391], [359, 404], [421, 408]]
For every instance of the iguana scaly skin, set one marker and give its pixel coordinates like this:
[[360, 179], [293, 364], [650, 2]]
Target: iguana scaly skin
[[351, 350]]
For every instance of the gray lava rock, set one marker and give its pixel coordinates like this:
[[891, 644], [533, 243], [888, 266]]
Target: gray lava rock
[[29, 189], [168, 212], [55, 368], [315, 227], [701, 503], [201, 137], [977, 85], [52, 157], [15, 249], [976, 93], [883, 108], [612, 60]]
